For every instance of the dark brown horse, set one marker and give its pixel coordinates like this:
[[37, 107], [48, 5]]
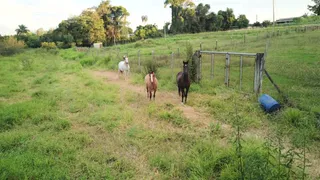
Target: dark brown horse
[[183, 82]]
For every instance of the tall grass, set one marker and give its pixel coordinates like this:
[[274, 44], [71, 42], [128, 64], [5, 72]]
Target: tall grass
[[59, 121]]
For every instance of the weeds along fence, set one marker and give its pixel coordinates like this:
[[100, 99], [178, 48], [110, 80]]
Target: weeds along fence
[[236, 37]]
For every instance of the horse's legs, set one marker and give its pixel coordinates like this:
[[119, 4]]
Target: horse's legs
[[147, 91], [150, 95], [185, 99], [182, 92], [179, 91], [154, 94]]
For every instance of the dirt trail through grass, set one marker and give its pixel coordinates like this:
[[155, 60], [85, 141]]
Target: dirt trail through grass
[[199, 119]]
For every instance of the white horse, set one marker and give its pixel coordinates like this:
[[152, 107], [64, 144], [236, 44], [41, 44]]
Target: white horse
[[124, 67]]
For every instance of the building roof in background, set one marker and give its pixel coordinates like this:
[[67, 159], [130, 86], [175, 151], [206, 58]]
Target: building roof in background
[[286, 19]]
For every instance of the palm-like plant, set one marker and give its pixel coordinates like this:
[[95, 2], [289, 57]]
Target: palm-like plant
[[22, 29], [144, 18]]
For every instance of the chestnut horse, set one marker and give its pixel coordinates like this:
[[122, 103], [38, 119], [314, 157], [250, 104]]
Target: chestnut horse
[[151, 85], [183, 82]]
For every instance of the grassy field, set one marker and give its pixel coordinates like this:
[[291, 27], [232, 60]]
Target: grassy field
[[65, 115]]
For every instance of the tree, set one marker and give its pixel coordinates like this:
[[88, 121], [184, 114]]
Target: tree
[[315, 8], [190, 23], [114, 18], [201, 13], [140, 33], [228, 18], [144, 18], [176, 13], [33, 41], [266, 23], [256, 24], [94, 24], [147, 31], [40, 32], [22, 30], [242, 21]]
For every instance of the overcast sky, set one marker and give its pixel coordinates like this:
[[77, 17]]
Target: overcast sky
[[47, 14]]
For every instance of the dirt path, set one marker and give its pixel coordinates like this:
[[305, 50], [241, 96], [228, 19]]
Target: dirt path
[[199, 119]]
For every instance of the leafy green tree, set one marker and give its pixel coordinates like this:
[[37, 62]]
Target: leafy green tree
[[315, 8], [257, 24], [266, 23], [190, 23], [228, 18], [201, 13], [76, 27], [114, 18], [40, 32], [33, 41], [242, 21], [176, 13], [94, 24], [147, 31]]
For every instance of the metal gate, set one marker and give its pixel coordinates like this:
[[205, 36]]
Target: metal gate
[[258, 67]]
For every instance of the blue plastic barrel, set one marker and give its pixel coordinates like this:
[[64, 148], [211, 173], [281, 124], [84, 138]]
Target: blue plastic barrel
[[268, 103]]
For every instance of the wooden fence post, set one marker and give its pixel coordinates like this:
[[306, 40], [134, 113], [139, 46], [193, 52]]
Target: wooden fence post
[[258, 72]]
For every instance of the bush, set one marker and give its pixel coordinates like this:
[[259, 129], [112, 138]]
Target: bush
[[293, 116], [33, 41], [48, 45], [88, 61], [11, 46], [150, 66]]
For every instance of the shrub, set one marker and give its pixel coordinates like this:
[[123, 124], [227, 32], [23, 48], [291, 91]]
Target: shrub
[[10, 46], [48, 45], [33, 41], [89, 61], [150, 66], [293, 116]]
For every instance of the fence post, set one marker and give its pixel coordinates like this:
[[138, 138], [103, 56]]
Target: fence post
[[172, 66], [261, 72], [212, 65], [216, 44], [139, 61], [241, 69], [200, 64], [227, 70], [259, 66]]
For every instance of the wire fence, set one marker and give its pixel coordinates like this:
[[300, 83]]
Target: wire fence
[[170, 60]]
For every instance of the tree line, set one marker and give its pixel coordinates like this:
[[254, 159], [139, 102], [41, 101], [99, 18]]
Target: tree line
[[108, 24], [189, 18]]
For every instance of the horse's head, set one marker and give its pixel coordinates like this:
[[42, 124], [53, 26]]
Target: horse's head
[[152, 76], [185, 67], [126, 60]]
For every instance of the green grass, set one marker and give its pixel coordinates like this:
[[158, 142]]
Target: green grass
[[59, 121]]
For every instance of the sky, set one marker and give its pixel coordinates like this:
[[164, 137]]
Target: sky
[[47, 14]]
